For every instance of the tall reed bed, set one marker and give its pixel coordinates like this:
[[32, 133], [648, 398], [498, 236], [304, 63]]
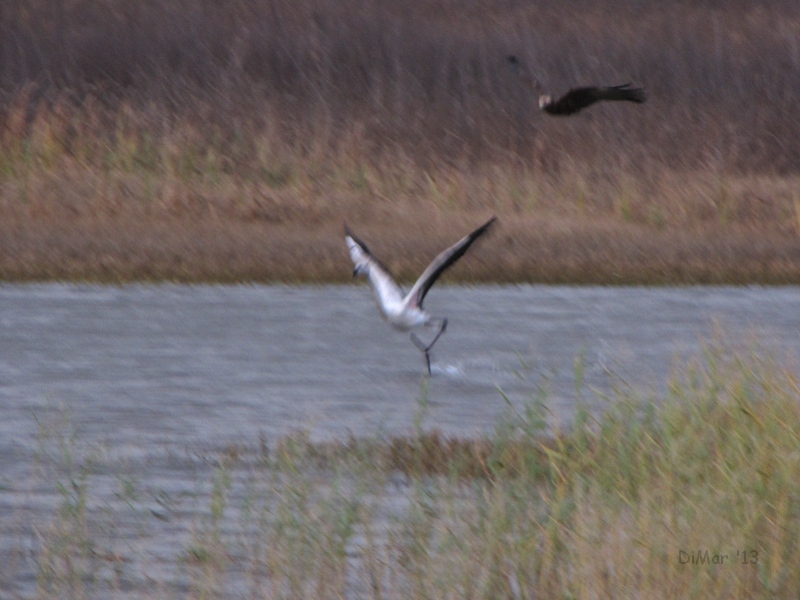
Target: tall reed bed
[[428, 78], [691, 494], [245, 121]]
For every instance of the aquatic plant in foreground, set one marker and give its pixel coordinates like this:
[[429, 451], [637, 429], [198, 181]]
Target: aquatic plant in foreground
[[694, 493]]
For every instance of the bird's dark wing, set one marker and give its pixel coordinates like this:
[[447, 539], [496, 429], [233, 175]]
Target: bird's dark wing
[[443, 261], [623, 92], [579, 98], [574, 100]]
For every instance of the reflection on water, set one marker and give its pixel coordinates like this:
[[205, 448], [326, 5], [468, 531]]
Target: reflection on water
[[159, 376]]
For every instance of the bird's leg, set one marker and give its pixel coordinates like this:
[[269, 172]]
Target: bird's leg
[[428, 361], [438, 335], [423, 348], [426, 349], [418, 342]]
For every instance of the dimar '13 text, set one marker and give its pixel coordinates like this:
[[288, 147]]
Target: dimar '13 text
[[709, 557]]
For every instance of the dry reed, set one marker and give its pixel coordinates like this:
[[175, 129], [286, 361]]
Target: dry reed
[[694, 493], [199, 140]]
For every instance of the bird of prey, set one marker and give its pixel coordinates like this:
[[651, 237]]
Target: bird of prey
[[578, 98], [404, 311]]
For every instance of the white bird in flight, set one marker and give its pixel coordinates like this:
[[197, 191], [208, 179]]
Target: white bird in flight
[[404, 311]]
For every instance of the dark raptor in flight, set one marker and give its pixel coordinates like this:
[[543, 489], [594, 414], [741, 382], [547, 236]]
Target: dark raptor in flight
[[577, 98]]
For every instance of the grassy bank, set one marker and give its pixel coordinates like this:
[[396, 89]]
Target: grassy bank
[[200, 141], [693, 495]]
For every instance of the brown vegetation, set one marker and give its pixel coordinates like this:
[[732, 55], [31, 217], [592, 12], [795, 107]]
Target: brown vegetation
[[636, 502], [229, 141]]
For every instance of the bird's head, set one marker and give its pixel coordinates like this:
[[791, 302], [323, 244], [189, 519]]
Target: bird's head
[[544, 101]]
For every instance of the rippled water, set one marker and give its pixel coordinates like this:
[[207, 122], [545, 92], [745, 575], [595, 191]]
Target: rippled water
[[181, 364], [161, 370]]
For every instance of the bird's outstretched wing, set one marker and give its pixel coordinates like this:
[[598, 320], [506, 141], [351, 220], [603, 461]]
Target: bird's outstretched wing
[[443, 261], [382, 281], [577, 99]]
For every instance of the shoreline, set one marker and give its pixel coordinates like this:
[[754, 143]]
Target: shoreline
[[522, 249]]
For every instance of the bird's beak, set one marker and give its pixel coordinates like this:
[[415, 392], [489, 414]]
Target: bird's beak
[[355, 273]]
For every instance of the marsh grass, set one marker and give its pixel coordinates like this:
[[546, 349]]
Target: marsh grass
[[228, 142], [691, 494]]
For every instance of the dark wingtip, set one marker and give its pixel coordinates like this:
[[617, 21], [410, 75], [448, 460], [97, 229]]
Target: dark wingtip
[[635, 94], [483, 228], [356, 239]]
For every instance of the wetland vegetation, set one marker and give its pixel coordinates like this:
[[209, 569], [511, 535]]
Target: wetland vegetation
[[207, 141], [629, 503]]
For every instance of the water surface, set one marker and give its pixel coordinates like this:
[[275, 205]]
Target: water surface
[[180, 364], [161, 377]]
